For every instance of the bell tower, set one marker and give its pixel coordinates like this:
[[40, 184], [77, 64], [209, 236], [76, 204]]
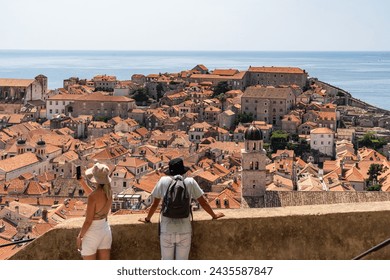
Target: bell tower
[[41, 149], [254, 159]]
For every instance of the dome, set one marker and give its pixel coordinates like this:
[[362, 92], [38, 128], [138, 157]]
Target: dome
[[253, 133], [21, 141], [41, 143]]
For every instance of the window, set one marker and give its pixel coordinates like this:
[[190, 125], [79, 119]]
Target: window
[[51, 103]]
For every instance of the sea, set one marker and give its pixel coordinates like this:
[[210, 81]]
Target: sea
[[366, 75]]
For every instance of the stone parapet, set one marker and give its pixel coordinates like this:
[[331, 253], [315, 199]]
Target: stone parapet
[[319, 232]]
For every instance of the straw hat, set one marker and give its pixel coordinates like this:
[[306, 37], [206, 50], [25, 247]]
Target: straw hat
[[99, 174]]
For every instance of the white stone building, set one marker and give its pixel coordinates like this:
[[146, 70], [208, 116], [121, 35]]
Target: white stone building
[[56, 104], [322, 140]]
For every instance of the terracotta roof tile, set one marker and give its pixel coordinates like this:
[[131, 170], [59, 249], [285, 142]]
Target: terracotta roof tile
[[5, 82], [287, 70], [18, 161]]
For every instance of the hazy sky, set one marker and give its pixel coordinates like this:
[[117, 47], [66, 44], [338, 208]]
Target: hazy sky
[[195, 25]]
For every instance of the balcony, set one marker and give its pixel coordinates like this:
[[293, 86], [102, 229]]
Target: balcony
[[320, 232]]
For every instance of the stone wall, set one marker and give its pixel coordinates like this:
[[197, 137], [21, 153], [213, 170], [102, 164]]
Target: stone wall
[[325, 232], [298, 198]]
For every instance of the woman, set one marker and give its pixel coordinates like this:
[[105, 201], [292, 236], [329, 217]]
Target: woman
[[95, 238]]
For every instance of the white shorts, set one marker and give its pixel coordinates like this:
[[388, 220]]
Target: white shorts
[[97, 237]]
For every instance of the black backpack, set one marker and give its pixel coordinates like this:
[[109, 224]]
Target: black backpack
[[177, 200]]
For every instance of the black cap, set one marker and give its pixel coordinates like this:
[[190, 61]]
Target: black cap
[[176, 167]]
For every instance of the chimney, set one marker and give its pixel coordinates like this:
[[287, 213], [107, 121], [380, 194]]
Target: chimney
[[44, 215], [38, 203], [78, 172], [17, 209], [2, 227]]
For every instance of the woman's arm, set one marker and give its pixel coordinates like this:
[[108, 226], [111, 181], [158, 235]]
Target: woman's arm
[[91, 205]]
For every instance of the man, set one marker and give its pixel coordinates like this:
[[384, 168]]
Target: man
[[175, 233]]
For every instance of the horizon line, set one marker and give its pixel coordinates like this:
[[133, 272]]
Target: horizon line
[[113, 50]]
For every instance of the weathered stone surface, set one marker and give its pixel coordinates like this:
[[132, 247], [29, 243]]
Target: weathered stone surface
[[338, 231]]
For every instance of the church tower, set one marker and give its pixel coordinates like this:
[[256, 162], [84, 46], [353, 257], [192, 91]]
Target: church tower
[[254, 159], [21, 146], [40, 149]]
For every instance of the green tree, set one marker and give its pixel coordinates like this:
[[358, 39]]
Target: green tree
[[374, 172], [279, 140], [374, 188], [300, 148], [140, 95], [221, 87], [369, 140], [160, 91], [244, 118]]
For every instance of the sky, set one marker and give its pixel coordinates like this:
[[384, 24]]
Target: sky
[[246, 25]]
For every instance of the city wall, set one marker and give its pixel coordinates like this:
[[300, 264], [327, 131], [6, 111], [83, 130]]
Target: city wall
[[299, 198], [318, 232]]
